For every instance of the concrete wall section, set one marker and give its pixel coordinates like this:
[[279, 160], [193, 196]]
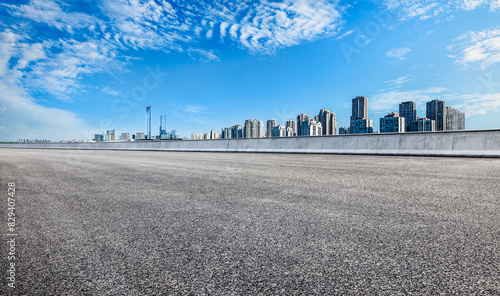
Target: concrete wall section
[[485, 143]]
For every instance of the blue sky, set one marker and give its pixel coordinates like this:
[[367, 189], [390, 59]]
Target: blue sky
[[70, 69]]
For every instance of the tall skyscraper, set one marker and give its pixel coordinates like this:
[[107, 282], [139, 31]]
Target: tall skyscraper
[[163, 128], [461, 121], [163, 124], [271, 123], [455, 120], [253, 128], [328, 122], [237, 132], [392, 123], [148, 122], [214, 135], [360, 123], [110, 135], [292, 125], [451, 119], [226, 133], [300, 119], [408, 110], [333, 124], [436, 110], [359, 107]]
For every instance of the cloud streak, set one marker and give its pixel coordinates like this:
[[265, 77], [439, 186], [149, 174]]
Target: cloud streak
[[398, 53], [427, 9], [477, 49]]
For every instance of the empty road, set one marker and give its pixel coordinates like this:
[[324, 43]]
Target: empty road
[[173, 223]]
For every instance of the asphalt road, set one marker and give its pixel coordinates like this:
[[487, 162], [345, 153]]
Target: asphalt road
[[169, 223]]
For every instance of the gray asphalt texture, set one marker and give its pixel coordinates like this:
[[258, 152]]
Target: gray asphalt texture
[[172, 223]]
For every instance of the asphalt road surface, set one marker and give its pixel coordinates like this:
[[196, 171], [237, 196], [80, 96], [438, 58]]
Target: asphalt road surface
[[168, 223]]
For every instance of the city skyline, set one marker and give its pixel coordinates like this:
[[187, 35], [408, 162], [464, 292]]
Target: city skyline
[[71, 70], [324, 123]]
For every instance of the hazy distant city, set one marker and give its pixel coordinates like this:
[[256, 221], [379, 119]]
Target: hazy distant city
[[439, 117]]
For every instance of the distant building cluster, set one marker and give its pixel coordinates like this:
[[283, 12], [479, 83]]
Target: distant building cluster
[[33, 141], [438, 118], [111, 135], [325, 123]]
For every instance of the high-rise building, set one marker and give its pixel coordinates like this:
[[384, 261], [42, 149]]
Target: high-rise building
[[271, 123], [436, 110], [328, 121], [300, 119], [197, 136], [226, 133], [98, 137], [425, 125], [292, 124], [311, 128], [214, 135], [237, 132], [360, 123], [110, 135], [163, 127], [140, 136], [125, 136], [253, 128], [451, 119], [408, 110], [148, 122], [359, 107], [392, 123], [333, 124], [279, 131], [461, 121], [455, 120]]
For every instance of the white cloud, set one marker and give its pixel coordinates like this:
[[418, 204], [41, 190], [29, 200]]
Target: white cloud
[[426, 9], [206, 55], [223, 29], [61, 72], [111, 91], [398, 53], [480, 49], [472, 4], [345, 34], [259, 27], [396, 83], [481, 104], [46, 11], [194, 109], [22, 117]]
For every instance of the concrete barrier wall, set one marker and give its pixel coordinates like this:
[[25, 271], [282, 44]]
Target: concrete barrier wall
[[484, 143]]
